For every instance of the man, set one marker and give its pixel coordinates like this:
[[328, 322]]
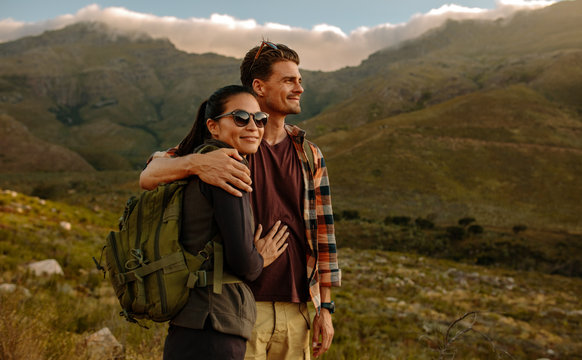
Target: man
[[286, 188]]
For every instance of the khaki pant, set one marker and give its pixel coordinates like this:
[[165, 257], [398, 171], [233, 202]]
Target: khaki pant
[[280, 333]]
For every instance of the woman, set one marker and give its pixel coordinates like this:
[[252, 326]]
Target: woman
[[211, 325]]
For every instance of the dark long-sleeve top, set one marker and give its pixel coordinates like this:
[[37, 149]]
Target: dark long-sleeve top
[[234, 219], [206, 212]]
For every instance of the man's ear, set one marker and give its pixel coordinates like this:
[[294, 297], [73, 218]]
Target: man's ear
[[258, 87], [212, 126]]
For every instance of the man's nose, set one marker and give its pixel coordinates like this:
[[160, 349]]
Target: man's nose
[[298, 88]]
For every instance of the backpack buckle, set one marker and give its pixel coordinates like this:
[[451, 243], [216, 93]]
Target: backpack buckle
[[202, 281]]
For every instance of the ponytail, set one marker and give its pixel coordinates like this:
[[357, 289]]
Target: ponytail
[[197, 134], [209, 109]]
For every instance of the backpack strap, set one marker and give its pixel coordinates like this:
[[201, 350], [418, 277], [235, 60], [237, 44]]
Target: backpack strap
[[195, 262], [202, 278], [310, 156], [218, 263]]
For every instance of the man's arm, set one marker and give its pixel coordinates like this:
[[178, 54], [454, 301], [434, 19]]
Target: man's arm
[[322, 325], [220, 168], [329, 272]]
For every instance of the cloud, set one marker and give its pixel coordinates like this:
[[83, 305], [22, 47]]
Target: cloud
[[324, 47]]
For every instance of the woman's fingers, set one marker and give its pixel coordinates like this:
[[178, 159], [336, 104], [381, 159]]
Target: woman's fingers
[[273, 230], [258, 233], [281, 240]]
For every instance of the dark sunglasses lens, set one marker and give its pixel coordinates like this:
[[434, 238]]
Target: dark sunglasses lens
[[261, 119], [241, 118]]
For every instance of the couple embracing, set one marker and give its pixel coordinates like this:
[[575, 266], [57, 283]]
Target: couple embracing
[[240, 134]]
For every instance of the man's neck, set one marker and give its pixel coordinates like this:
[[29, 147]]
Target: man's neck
[[275, 130]]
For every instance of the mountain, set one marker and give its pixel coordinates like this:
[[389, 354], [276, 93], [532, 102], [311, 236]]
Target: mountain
[[113, 98], [475, 118], [478, 119], [541, 48], [21, 149]]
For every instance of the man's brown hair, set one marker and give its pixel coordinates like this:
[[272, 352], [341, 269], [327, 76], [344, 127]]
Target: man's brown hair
[[260, 67]]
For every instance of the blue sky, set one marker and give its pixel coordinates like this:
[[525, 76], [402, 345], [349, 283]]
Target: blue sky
[[347, 32], [347, 15]]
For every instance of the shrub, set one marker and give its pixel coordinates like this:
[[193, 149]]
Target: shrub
[[466, 221], [351, 214], [399, 220], [475, 229], [455, 233], [424, 223]]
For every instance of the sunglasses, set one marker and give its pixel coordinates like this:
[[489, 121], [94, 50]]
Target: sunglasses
[[263, 43], [241, 118]]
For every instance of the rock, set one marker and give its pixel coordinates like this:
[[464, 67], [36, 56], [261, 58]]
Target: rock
[[102, 345], [556, 312], [65, 225], [46, 267], [12, 288], [380, 260]]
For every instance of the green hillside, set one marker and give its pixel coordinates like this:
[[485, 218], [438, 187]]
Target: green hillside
[[476, 118], [478, 155], [112, 98], [411, 302]]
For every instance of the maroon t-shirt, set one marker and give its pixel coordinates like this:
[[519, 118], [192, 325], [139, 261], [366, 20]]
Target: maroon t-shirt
[[278, 195]]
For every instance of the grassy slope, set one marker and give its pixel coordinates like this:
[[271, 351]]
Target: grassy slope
[[391, 305], [477, 155]]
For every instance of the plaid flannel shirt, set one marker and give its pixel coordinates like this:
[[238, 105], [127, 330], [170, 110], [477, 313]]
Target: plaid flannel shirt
[[322, 263]]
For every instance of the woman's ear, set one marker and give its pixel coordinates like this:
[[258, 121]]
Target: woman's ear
[[213, 127]]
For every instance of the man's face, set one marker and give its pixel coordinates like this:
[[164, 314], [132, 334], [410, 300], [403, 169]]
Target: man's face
[[283, 89]]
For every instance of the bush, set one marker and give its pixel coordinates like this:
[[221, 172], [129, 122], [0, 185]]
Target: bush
[[397, 220], [466, 221], [48, 191], [475, 229], [455, 233], [519, 228], [351, 214], [424, 223]]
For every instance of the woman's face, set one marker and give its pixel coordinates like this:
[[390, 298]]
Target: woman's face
[[244, 139]]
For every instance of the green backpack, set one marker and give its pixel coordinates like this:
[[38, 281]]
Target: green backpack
[[149, 269]]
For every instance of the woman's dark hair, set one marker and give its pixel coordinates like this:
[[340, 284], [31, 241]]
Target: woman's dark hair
[[209, 109]]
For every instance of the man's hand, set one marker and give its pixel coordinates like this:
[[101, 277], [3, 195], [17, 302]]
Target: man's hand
[[273, 244], [322, 332], [219, 168]]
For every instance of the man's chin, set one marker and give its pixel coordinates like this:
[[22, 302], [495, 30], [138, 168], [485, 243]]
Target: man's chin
[[295, 110]]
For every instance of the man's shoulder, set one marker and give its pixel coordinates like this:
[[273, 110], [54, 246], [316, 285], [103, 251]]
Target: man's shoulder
[[296, 133]]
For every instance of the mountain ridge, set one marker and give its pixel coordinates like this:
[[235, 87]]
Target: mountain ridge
[[472, 119]]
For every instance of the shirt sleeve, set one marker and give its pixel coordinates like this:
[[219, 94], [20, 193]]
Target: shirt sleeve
[[233, 216], [329, 272], [171, 152]]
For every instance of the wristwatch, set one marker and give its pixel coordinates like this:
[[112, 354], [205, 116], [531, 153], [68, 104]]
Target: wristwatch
[[329, 306]]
